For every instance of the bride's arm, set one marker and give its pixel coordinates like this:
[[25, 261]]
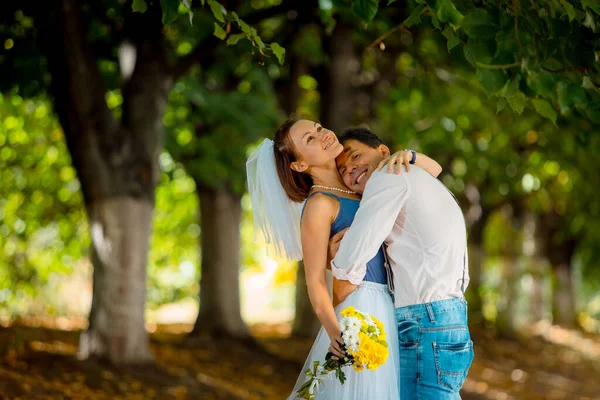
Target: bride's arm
[[316, 224]]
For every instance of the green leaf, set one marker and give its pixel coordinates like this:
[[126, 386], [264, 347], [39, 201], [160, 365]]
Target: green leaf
[[233, 39], [479, 24], [491, 79], [544, 109], [279, 52], [479, 50], [541, 82], [588, 84], [593, 4], [217, 10], [219, 32], [415, 17], [500, 105], [390, 2], [446, 12], [169, 11], [590, 21], [453, 41], [569, 9], [569, 95], [515, 98], [245, 27], [436, 21], [365, 9], [517, 101], [139, 6]]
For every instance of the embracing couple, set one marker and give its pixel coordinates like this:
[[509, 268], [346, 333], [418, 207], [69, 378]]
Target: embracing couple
[[402, 260]]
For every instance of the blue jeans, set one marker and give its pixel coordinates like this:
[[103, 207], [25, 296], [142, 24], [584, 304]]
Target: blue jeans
[[436, 350]]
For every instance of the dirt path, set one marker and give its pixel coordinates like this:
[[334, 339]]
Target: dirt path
[[41, 363]]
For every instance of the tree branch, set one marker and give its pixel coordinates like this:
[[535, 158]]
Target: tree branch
[[558, 71], [386, 34], [204, 53], [516, 11], [491, 66]]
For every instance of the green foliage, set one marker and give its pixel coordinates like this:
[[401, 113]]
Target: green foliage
[[42, 219], [210, 129], [540, 55], [365, 9], [224, 21]]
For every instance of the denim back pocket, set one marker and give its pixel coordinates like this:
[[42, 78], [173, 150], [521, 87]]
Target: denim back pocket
[[452, 362]]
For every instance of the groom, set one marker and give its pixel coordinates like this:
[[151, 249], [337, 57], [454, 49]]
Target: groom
[[423, 228]]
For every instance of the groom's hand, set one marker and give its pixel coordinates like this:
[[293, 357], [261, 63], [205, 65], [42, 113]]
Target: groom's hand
[[334, 246]]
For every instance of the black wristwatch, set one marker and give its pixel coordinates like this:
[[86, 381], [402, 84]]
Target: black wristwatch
[[414, 156]]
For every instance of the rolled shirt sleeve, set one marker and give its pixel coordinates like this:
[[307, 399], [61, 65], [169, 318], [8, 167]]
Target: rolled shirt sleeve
[[385, 195]]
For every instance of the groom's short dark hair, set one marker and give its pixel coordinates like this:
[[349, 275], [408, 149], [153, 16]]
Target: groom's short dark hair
[[362, 135]]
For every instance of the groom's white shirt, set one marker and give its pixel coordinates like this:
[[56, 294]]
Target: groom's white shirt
[[423, 228]]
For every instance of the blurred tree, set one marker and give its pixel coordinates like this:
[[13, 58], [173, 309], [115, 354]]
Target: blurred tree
[[89, 49]]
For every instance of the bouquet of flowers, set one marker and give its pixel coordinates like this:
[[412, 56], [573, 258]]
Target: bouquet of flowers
[[365, 346]]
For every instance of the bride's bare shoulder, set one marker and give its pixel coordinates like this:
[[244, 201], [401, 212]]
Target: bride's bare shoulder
[[320, 207]]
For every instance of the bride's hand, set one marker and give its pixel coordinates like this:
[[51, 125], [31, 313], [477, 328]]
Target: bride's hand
[[398, 158], [336, 347]]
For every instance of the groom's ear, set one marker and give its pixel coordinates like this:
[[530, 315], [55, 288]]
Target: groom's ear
[[384, 150], [299, 166]]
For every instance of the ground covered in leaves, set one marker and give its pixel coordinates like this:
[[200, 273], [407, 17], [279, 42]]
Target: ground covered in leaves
[[38, 361]]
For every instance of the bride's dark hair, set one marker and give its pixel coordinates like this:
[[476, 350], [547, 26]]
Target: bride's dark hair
[[297, 185]]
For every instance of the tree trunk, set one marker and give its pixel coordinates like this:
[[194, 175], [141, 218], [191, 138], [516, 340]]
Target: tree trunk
[[563, 299], [120, 230], [117, 165], [537, 290], [306, 323], [335, 80], [220, 217], [509, 288], [560, 253], [532, 248]]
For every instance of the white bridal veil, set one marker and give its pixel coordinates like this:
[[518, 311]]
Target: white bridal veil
[[276, 217]]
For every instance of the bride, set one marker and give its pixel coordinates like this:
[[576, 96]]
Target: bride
[[299, 202]]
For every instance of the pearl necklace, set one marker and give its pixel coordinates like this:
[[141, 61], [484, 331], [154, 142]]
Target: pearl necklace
[[332, 188]]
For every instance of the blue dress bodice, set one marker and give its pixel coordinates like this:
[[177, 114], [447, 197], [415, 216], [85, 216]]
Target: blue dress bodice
[[348, 208]]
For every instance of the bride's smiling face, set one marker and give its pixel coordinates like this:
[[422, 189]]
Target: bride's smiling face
[[315, 145]]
